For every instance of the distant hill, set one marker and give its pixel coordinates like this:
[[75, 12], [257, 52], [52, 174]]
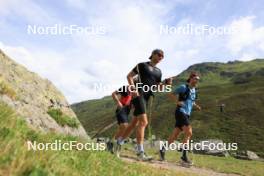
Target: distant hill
[[238, 85]]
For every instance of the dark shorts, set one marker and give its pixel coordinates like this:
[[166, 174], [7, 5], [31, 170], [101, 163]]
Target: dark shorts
[[122, 114], [140, 104], [181, 119]]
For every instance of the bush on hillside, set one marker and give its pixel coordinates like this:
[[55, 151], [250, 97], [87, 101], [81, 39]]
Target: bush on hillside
[[62, 119], [5, 89]]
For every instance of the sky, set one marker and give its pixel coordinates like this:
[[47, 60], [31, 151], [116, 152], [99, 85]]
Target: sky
[[123, 33]]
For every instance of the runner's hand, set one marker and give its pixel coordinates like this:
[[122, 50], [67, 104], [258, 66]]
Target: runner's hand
[[134, 93], [198, 107], [180, 103], [119, 105], [168, 81]]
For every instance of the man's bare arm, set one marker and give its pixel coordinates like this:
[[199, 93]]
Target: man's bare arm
[[175, 99], [167, 81], [116, 99], [197, 106], [130, 77]]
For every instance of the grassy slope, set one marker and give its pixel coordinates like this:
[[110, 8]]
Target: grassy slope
[[241, 122], [15, 159]]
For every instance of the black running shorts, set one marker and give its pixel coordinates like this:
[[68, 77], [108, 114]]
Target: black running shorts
[[181, 119], [140, 104], [122, 114]]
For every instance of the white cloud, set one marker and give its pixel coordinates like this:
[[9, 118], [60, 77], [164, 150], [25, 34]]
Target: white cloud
[[132, 31], [79, 4], [22, 55], [247, 35], [247, 57], [53, 66], [28, 10]]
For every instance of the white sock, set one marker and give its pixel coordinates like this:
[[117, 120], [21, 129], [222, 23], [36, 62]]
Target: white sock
[[140, 148], [120, 141]]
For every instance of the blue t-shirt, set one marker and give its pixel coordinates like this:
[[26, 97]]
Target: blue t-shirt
[[188, 103]]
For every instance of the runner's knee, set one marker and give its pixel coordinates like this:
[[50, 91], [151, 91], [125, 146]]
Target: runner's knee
[[143, 122]]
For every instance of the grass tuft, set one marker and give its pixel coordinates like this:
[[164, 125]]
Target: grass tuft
[[5, 89], [63, 119]]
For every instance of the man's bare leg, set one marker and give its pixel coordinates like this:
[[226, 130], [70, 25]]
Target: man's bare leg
[[129, 128], [142, 123], [125, 134], [121, 129], [174, 135], [187, 133]]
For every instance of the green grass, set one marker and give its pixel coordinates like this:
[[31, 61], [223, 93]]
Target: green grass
[[17, 160], [62, 119]]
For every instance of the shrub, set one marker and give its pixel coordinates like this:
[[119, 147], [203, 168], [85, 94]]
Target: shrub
[[242, 78], [62, 119], [7, 90]]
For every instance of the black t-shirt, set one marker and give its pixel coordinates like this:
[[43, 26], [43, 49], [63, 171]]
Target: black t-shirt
[[149, 75]]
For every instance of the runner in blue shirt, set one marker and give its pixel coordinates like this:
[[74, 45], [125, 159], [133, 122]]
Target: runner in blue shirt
[[184, 96]]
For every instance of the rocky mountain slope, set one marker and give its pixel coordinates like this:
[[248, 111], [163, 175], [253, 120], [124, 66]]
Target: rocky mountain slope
[[36, 100]]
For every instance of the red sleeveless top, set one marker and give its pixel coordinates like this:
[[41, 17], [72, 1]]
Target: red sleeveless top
[[125, 100]]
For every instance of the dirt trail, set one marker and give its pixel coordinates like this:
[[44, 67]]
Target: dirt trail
[[177, 167]]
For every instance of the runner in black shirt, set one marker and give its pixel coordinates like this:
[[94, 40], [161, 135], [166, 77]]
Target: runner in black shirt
[[148, 75]]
